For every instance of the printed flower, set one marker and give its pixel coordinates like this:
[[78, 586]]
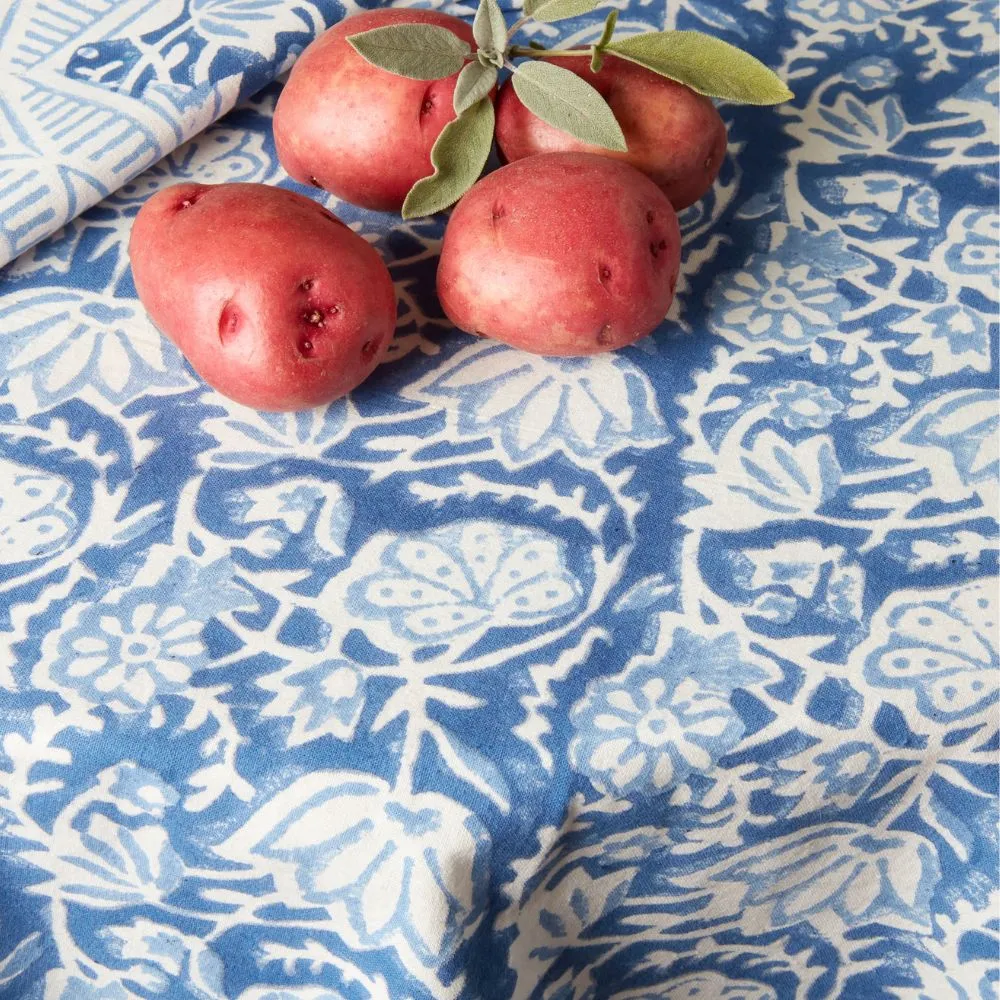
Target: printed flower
[[142, 641], [880, 196], [534, 406], [802, 571], [647, 729], [769, 301], [837, 876], [649, 735], [803, 404], [772, 480], [953, 435], [58, 341], [108, 864], [849, 129], [288, 507], [126, 654], [954, 335], [406, 868], [75, 988], [137, 791], [940, 646], [846, 771], [326, 698], [35, 519], [161, 959], [468, 575], [974, 251], [249, 438], [872, 73]]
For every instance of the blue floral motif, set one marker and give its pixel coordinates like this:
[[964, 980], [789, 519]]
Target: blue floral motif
[[847, 771], [785, 307], [449, 581], [959, 430], [844, 872], [77, 988], [669, 673], [249, 438], [325, 698], [141, 643], [975, 253], [959, 333], [404, 869], [645, 731], [113, 865], [138, 791], [129, 653], [803, 404], [872, 73], [942, 649], [540, 406], [166, 960], [59, 341], [35, 519]]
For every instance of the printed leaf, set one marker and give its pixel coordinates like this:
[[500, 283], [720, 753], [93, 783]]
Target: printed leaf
[[474, 83], [417, 51], [489, 28], [705, 64], [568, 102], [558, 10], [458, 156]]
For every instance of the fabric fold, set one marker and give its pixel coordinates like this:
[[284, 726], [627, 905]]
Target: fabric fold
[[92, 92]]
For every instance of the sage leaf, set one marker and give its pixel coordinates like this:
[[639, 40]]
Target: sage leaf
[[458, 156], [489, 27], [417, 51], [558, 10], [568, 102], [705, 64], [474, 83]]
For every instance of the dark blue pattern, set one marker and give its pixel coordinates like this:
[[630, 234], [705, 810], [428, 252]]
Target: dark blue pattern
[[667, 674]]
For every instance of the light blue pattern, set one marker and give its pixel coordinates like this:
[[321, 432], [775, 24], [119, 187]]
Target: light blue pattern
[[95, 91], [663, 675]]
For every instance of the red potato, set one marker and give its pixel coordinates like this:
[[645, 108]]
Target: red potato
[[273, 300], [561, 254], [358, 131], [674, 136]]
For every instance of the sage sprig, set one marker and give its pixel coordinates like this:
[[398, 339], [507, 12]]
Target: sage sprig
[[568, 102], [458, 157], [565, 100], [416, 51]]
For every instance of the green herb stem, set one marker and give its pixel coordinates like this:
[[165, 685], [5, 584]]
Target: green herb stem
[[524, 50], [517, 26]]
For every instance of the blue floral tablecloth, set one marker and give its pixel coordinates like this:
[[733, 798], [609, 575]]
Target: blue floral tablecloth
[[665, 674]]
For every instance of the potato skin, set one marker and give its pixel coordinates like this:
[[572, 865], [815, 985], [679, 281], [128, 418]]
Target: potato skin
[[273, 300], [561, 254], [361, 132], [674, 136]]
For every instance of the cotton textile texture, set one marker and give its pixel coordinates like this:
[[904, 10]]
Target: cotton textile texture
[[94, 91], [669, 674]]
